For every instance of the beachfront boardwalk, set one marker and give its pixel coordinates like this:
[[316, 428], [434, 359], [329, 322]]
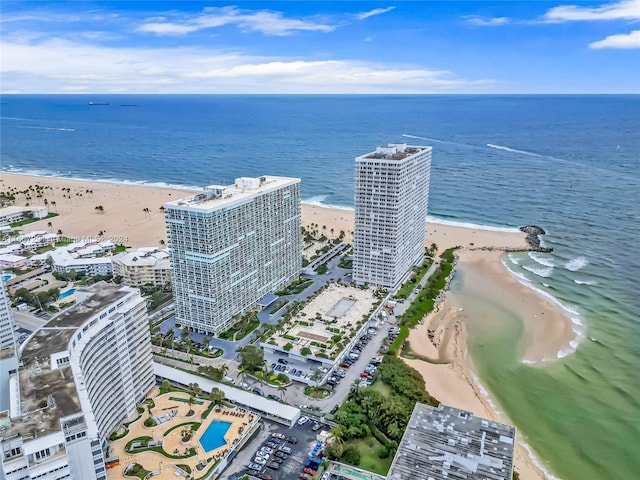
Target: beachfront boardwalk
[[173, 456]]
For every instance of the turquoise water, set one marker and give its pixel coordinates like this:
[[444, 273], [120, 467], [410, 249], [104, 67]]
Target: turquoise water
[[7, 277], [214, 435], [67, 293], [570, 163]]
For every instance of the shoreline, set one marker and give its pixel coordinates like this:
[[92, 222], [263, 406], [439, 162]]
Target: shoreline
[[453, 382]]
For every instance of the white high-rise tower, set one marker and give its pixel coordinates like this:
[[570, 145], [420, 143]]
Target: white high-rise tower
[[391, 199], [232, 245], [7, 339]]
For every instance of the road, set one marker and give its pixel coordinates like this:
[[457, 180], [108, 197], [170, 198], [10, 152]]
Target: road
[[294, 394]]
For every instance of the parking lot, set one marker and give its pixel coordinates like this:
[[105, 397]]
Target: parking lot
[[294, 463]]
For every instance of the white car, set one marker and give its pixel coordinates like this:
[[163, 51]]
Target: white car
[[267, 450], [260, 461], [303, 420], [262, 454]]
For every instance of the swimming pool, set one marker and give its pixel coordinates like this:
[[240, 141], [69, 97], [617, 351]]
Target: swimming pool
[[7, 277], [214, 436], [67, 293]]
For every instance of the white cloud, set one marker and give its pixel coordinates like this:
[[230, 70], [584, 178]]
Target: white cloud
[[630, 40], [58, 66], [486, 22], [264, 21], [622, 10], [371, 13]]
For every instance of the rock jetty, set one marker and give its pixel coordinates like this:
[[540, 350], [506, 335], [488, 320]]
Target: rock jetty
[[533, 238]]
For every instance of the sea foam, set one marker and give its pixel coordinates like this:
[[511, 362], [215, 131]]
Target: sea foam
[[576, 264], [540, 271], [453, 223], [513, 150], [542, 259]]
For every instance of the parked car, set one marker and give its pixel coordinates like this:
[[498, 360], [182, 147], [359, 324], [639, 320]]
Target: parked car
[[257, 391], [272, 445], [305, 476], [255, 466], [293, 440], [334, 409], [277, 459], [266, 449], [303, 420], [325, 476], [283, 361], [286, 450], [278, 435], [273, 366], [316, 427], [244, 385], [281, 455], [263, 454], [293, 371], [310, 471], [299, 373], [260, 460], [271, 396], [264, 476], [273, 465]]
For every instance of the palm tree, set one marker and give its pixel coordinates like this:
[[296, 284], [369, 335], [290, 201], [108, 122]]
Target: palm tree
[[166, 386], [197, 390], [336, 434], [49, 224], [171, 335], [357, 387], [190, 402], [216, 396], [281, 390], [206, 341], [162, 243], [59, 232], [224, 368], [147, 212]]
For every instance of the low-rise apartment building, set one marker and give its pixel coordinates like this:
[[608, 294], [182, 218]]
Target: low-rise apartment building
[[143, 266]]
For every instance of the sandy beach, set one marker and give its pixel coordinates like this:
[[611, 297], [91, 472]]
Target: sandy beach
[[449, 378]]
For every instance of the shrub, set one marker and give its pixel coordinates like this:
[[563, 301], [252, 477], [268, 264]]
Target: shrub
[[305, 351], [351, 455], [287, 347], [150, 422]]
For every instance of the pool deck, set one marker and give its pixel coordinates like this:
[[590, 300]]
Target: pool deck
[[239, 419]]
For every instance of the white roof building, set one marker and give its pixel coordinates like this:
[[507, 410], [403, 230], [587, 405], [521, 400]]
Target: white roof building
[[146, 265]]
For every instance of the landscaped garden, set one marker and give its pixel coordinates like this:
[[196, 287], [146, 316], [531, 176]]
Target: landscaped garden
[[323, 326], [297, 286], [180, 429], [246, 324]]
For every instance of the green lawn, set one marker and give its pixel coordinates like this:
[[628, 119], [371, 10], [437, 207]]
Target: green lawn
[[369, 448], [382, 388]]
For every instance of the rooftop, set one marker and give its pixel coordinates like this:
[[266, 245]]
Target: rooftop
[[215, 197], [143, 256], [40, 385], [394, 151], [445, 442]]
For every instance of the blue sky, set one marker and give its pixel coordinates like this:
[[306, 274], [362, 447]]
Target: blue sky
[[320, 47]]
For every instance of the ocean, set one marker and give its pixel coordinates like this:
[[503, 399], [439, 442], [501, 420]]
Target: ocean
[[570, 164]]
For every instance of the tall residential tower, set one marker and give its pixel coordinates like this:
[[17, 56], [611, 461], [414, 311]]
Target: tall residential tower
[[81, 374], [232, 245], [391, 199]]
